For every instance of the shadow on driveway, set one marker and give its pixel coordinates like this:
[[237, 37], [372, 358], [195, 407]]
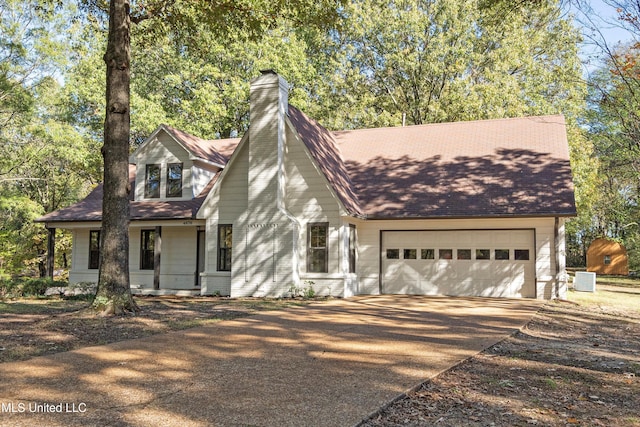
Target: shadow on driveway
[[326, 364]]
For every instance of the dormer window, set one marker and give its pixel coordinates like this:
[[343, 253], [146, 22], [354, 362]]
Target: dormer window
[[152, 182], [174, 180]]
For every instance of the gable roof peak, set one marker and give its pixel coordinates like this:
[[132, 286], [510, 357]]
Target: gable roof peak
[[213, 151]]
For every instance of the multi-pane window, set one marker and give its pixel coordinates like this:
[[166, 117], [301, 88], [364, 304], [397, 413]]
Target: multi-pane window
[[94, 249], [502, 254], [410, 253], [174, 180], [152, 182], [146, 249], [317, 248], [427, 254], [352, 248], [483, 254], [445, 253], [464, 253], [225, 234]]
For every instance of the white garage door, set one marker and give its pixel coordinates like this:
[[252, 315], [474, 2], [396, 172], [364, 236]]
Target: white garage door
[[492, 263]]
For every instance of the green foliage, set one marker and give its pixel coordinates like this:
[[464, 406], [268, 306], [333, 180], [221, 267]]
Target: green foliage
[[44, 162], [446, 61], [27, 287], [612, 126], [22, 243], [304, 292]]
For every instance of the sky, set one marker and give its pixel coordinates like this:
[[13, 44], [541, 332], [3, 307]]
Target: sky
[[605, 20], [613, 33]]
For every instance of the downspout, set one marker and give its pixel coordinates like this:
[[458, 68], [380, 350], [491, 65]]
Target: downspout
[[556, 236]]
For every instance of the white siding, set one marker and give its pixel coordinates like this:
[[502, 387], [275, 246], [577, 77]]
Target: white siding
[[263, 258], [177, 264], [80, 271], [225, 206], [177, 261], [201, 176], [233, 191], [309, 199], [213, 281], [562, 266], [307, 194], [268, 92]]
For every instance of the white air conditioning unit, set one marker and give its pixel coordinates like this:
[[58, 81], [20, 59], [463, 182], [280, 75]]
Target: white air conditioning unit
[[584, 281]]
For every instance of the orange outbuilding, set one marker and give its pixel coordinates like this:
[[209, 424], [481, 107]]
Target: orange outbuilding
[[606, 256]]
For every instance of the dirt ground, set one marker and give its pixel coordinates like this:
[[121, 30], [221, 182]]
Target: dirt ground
[[572, 365], [575, 363], [37, 327]]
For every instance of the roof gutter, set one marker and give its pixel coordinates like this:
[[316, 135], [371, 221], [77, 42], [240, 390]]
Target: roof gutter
[[404, 218]]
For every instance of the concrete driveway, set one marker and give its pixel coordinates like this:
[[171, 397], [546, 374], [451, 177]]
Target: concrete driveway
[[326, 364]]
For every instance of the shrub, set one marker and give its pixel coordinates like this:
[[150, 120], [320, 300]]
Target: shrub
[[306, 292], [25, 287]]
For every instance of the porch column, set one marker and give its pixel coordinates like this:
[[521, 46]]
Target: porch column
[[51, 251], [157, 250]]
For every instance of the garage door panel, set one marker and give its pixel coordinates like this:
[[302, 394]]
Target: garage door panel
[[480, 238], [481, 270], [501, 237], [472, 268], [405, 278]]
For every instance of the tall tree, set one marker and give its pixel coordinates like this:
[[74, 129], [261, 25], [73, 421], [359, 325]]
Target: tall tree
[[113, 295], [42, 159], [613, 125], [434, 61], [202, 88]]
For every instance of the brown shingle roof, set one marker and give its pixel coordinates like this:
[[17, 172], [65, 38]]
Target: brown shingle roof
[[505, 167], [216, 151], [499, 167]]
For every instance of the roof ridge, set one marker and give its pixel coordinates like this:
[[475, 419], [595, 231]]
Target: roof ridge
[[458, 123]]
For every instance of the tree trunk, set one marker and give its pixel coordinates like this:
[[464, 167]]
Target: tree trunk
[[113, 295]]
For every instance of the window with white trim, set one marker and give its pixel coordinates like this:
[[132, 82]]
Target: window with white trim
[[152, 181], [352, 248], [317, 247], [225, 239], [174, 180]]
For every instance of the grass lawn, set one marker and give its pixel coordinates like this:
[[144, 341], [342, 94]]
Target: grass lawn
[[613, 294]]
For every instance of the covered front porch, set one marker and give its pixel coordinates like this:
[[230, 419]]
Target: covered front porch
[[165, 257]]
